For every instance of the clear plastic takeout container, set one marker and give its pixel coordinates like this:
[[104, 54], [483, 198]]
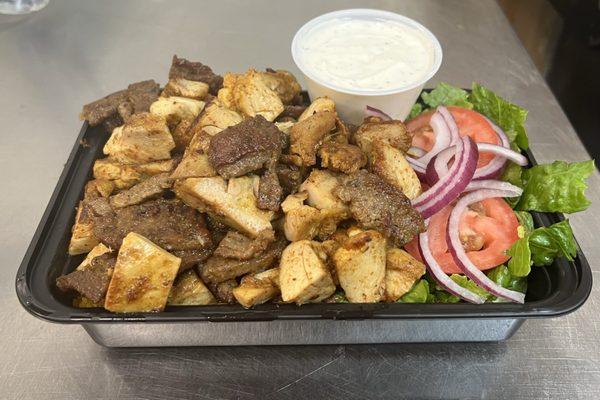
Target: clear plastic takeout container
[[351, 104]]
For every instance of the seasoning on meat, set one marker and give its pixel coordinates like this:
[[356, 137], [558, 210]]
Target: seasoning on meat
[[342, 157], [145, 190], [224, 291], [244, 147], [307, 136], [240, 247], [195, 71], [392, 132], [270, 191], [375, 204]]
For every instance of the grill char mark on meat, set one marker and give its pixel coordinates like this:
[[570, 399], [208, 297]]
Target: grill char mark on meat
[[195, 71]]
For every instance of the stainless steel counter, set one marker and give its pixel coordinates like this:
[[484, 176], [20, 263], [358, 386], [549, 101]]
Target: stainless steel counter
[[75, 51]]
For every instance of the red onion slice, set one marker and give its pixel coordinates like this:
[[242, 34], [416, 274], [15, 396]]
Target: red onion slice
[[443, 137], [489, 184], [449, 119], [375, 112], [494, 168], [438, 166], [458, 252], [416, 152], [450, 186], [440, 276]]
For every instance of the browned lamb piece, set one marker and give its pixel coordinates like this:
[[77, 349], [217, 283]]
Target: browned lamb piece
[[170, 224], [270, 191], [218, 269], [92, 281], [375, 204], [245, 147], [145, 190], [240, 247], [195, 71], [116, 108], [224, 291]]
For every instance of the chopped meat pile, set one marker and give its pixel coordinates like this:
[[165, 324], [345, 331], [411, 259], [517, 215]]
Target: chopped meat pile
[[236, 189]]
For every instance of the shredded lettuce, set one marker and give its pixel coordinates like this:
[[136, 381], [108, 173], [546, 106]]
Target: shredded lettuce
[[556, 187], [447, 95], [508, 116]]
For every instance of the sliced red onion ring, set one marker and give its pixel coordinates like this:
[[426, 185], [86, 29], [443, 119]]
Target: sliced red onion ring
[[450, 186], [489, 184], [443, 137], [449, 119], [416, 152], [375, 112], [458, 252], [440, 276], [494, 168], [438, 166]]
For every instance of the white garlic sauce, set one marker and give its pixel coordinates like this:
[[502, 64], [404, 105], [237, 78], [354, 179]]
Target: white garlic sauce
[[367, 54]]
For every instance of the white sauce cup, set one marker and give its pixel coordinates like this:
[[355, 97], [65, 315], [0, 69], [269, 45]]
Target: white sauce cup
[[351, 104]]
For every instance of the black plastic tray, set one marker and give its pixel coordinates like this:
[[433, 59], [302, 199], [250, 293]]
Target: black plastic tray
[[554, 290]]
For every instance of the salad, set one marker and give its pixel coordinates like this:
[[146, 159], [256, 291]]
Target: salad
[[478, 194]]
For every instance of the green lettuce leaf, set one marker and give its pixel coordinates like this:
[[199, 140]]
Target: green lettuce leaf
[[520, 258], [447, 95], [526, 221], [502, 276], [470, 285], [418, 294], [338, 297], [415, 110], [556, 187], [508, 116], [513, 174], [551, 242]]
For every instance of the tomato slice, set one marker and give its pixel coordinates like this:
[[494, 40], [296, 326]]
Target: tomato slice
[[493, 230], [469, 122]]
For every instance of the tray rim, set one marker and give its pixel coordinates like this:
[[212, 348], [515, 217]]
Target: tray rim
[[267, 312]]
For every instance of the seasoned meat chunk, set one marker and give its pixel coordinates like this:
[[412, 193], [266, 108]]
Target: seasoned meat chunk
[[250, 95], [215, 118], [341, 157], [169, 223], [176, 109], [240, 247], [281, 82], [142, 277], [360, 266], [145, 190], [192, 257], [307, 136], [319, 104], [92, 276], [319, 186], [244, 147], [401, 273], [258, 288], [189, 290], [389, 163], [144, 138], [270, 191], [195, 71], [290, 177], [182, 87], [195, 162], [232, 203], [218, 269], [124, 176], [117, 107], [291, 111], [224, 291], [391, 132], [376, 204]]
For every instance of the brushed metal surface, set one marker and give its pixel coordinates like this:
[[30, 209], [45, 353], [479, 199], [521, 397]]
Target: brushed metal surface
[[301, 332], [75, 51]]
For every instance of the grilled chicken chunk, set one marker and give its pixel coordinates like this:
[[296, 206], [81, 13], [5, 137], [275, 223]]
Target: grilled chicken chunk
[[245, 147], [195, 162], [401, 272], [189, 290], [342, 157], [124, 176], [216, 117], [182, 87], [318, 105], [304, 276], [307, 136], [233, 203], [392, 132], [144, 138], [389, 163], [360, 265], [250, 95], [176, 109], [375, 204], [258, 288], [281, 82], [142, 277]]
